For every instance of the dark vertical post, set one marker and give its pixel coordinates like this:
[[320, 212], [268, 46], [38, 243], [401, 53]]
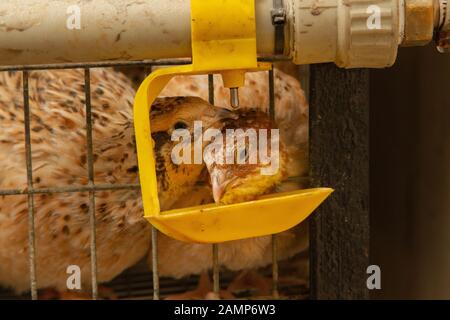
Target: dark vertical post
[[339, 157]]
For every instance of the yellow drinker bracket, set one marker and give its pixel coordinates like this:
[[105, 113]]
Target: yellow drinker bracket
[[223, 42]]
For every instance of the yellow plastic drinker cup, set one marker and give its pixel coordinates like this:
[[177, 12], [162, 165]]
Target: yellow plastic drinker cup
[[223, 42]]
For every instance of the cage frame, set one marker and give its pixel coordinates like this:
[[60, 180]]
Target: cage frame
[[331, 226]]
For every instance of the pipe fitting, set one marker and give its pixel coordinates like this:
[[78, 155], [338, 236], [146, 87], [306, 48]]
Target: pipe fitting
[[351, 33], [419, 22]]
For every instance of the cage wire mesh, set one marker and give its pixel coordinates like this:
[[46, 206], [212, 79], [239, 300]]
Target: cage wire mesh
[[136, 282]]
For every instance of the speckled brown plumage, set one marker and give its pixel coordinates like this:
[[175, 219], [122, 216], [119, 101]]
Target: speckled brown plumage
[[59, 158]]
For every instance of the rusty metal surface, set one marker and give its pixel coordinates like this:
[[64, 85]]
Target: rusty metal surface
[[419, 22]]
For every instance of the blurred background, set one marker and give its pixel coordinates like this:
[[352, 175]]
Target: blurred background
[[410, 175]]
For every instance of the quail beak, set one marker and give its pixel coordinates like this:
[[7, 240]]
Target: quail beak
[[219, 183], [219, 179], [218, 188]]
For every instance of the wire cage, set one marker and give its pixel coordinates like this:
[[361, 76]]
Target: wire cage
[[136, 282]]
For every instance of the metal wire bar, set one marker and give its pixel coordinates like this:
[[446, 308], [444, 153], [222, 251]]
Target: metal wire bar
[[275, 293], [216, 269], [90, 164], [31, 227], [87, 188], [215, 246], [155, 263], [271, 95], [211, 88], [155, 271], [109, 64], [275, 276], [101, 187], [101, 64]]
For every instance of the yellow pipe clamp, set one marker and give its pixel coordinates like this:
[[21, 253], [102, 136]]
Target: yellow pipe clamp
[[223, 42]]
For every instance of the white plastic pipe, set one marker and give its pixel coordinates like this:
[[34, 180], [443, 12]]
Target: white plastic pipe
[[48, 31]]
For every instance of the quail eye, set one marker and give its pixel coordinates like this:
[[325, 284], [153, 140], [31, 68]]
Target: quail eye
[[180, 125]]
